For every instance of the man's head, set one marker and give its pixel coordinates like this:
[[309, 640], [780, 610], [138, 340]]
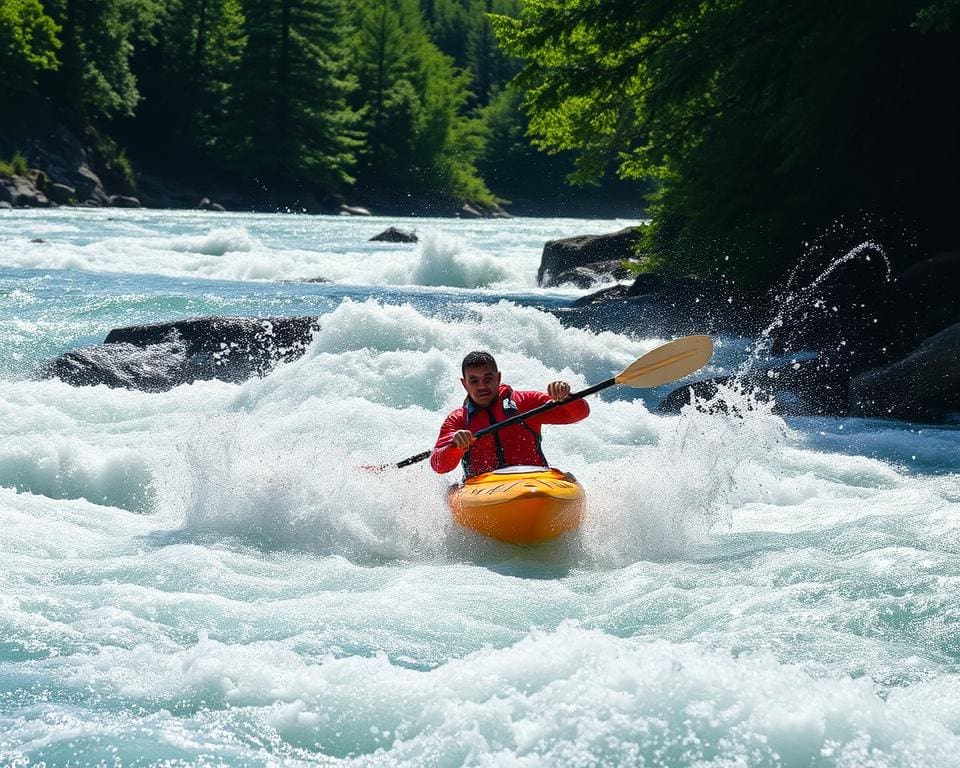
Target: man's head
[[481, 378]]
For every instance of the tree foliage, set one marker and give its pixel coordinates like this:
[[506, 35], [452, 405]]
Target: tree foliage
[[412, 99], [762, 122], [28, 44]]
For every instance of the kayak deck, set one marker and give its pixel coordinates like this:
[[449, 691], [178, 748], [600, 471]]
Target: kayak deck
[[520, 505]]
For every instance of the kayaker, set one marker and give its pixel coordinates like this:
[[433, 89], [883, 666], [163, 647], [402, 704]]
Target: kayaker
[[489, 401]]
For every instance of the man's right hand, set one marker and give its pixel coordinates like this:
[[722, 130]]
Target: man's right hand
[[462, 438]]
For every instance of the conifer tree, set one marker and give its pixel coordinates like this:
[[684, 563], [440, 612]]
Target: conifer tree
[[291, 121]]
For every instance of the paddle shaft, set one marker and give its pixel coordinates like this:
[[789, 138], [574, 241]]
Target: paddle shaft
[[518, 418]]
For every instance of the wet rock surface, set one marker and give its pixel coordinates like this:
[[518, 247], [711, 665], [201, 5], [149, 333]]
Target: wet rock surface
[[157, 357]]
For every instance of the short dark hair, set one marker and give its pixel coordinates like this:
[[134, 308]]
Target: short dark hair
[[477, 360]]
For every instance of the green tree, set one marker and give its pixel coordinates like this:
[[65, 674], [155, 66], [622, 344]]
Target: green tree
[[413, 102], [291, 122], [99, 38], [761, 121], [186, 80], [28, 45]]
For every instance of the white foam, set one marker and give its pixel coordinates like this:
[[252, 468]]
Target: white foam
[[570, 696]]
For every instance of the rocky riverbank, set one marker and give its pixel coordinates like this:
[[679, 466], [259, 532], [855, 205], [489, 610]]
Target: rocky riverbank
[[62, 169], [853, 342]]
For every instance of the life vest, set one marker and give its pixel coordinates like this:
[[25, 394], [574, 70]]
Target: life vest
[[509, 410]]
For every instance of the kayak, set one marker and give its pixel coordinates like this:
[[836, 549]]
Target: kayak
[[519, 505]]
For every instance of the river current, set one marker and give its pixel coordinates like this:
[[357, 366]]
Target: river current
[[203, 577]]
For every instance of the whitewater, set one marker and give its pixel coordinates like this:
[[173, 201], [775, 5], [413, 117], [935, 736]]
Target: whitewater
[[204, 577]]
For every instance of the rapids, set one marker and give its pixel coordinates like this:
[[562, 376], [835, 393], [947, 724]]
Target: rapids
[[204, 577]]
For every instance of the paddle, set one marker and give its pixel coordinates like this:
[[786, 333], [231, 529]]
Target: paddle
[[666, 363]]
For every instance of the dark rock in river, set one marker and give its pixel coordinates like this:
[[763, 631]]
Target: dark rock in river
[[590, 274], [807, 387], [354, 210], [669, 306], [394, 235], [160, 356], [123, 201], [923, 386], [569, 253]]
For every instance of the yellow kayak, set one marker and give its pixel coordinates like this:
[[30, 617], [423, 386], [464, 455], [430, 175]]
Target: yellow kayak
[[520, 505]]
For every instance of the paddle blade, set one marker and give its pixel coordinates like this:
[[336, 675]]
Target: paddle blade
[[668, 362]]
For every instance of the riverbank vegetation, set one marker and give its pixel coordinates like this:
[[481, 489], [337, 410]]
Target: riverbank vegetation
[[372, 98], [768, 127]]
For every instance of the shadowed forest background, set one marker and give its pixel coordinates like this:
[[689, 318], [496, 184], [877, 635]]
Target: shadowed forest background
[[750, 131]]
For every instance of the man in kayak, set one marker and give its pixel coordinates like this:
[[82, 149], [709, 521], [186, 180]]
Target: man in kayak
[[489, 401]]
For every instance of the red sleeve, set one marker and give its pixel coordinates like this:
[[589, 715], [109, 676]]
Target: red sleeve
[[571, 412], [445, 458]]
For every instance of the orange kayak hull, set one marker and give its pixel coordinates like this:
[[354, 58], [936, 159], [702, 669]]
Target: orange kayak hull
[[520, 505]]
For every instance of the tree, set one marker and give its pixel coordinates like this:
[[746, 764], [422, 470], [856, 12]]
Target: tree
[[99, 39], [28, 45], [186, 80], [413, 100], [291, 121], [762, 121]]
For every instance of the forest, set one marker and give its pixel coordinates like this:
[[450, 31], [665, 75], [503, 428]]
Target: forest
[[750, 130]]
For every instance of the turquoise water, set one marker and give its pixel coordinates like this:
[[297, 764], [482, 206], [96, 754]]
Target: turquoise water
[[201, 577]]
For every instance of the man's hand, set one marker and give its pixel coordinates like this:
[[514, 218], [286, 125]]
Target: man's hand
[[558, 390], [462, 438]]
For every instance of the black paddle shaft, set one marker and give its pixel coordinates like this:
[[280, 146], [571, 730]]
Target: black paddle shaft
[[517, 419]]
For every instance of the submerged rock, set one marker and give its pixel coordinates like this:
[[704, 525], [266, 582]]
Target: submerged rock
[[157, 357]]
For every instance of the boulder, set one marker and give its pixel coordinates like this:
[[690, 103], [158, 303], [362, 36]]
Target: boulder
[[157, 357], [394, 235], [21, 191], [589, 274], [569, 253], [467, 211], [123, 201], [61, 193], [656, 305], [5, 205], [88, 185], [799, 388], [206, 205], [922, 386], [354, 210]]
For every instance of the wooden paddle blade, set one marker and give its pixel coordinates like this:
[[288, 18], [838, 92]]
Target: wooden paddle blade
[[668, 362]]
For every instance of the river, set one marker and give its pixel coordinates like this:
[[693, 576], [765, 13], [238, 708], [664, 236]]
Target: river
[[204, 577]]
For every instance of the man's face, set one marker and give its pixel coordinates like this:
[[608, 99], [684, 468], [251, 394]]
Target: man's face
[[482, 384]]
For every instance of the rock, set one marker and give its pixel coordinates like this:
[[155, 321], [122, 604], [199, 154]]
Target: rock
[[667, 306], [394, 235], [923, 300], [5, 205], [61, 193], [37, 240], [206, 205], [158, 357], [123, 201], [612, 293], [467, 211], [155, 368], [589, 274], [354, 210], [802, 388], [922, 386], [572, 252], [88, 185], [20, 191]]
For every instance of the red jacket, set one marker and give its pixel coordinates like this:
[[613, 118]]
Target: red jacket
[[517, 445]]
